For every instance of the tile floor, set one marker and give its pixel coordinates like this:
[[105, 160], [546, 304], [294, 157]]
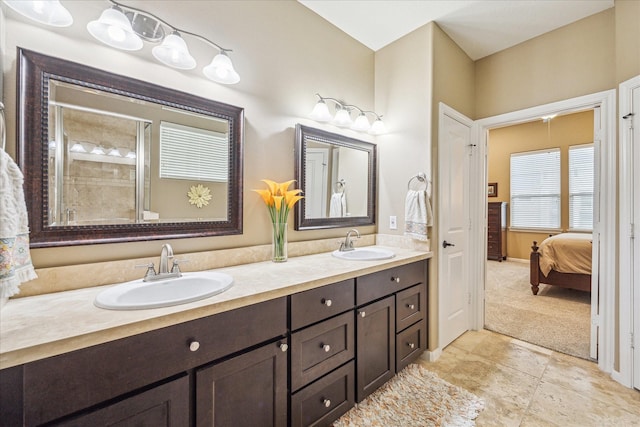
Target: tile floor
[[526, 385]]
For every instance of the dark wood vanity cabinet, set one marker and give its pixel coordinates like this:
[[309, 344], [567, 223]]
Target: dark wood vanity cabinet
[[144, 375]]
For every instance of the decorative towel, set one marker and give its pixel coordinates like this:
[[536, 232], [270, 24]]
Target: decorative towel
[[15, 259], [338, 206], [417, 215]]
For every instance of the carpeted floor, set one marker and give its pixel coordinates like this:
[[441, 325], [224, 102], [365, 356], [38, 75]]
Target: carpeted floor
[[556, 318], [415, 397]]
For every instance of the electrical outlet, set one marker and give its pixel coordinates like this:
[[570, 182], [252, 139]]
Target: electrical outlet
[[393, 222]]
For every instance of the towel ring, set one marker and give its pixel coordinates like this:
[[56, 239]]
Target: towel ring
[[340, 185], [420, 177]]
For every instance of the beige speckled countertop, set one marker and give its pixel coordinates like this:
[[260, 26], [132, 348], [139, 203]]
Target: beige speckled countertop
[[36, 327]]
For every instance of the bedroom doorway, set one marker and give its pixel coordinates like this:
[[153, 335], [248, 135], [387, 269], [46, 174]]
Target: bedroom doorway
[[541, 176], [603, 291]]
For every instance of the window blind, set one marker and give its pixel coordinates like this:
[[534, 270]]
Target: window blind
[[193, 154], [581, 181], [535, 189]]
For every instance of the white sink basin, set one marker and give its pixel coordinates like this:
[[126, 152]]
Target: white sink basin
[[364, 254], [137, 294]]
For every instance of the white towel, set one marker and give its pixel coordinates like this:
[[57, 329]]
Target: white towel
[[15, 259], [417, 215], [338, 205]]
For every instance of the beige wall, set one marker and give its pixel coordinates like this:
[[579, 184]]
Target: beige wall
[[561, 132], [284, 53], [574, 60], [627, 13]]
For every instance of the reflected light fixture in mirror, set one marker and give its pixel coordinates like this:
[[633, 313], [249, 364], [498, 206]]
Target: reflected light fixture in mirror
[[343, 118], [48, 12]]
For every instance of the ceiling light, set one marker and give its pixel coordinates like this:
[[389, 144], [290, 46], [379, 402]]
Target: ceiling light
[[114, 29], [221, 70], [174, 52], [343, 118], [48, 12]]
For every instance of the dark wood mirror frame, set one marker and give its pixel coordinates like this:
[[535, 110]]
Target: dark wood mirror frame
[[34, 71], [301, 221]]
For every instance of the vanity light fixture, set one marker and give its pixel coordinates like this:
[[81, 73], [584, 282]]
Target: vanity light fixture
[[77, 148], [342, 117], [125, 27], [48, 12], [98, 150]]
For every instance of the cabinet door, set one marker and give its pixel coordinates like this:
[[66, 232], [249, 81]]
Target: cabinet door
[[375, 346], [165, 405], [247, 390]]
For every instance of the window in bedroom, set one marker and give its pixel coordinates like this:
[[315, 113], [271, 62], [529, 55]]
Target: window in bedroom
[[535, 190], [581, 180]]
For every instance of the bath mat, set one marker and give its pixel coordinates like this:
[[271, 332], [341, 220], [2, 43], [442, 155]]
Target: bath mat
[[415, 397]]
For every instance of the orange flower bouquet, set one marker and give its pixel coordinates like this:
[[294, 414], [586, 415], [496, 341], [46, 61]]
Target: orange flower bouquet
[[279, 200]]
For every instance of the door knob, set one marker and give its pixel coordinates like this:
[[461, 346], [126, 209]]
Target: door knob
[[445, 244]]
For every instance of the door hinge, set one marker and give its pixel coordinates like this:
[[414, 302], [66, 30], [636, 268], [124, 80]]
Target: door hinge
[[469, 298], [632, 341], [632, 231]]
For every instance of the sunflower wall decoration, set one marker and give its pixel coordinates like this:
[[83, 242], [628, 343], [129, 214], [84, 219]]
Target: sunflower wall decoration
[[199, 195]]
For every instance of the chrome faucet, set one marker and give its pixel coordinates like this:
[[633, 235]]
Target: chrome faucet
[[166, 255], [347, 245]]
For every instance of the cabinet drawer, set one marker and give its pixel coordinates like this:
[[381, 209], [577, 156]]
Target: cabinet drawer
[[411, 306], [130, 363], [318, 349], [321, 303], [326, 400], [410, 344], [377, 285]]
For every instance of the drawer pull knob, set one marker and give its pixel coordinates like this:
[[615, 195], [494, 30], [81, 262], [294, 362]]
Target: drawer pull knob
[[362, 314], [326, 347], [284, 347], [327, 302], [395, 279], [411, 306], [411, 345], [326, 403], [194, 345]]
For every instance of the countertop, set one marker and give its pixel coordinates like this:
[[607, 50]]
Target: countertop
[[41, 326]]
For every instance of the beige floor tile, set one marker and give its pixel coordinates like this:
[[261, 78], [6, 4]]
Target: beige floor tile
[[556, 404], [469, 340], [511, 354], [499, 414]]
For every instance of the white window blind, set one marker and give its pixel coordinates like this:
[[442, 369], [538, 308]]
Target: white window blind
[[194, 154], [535, 189], [581, 181]]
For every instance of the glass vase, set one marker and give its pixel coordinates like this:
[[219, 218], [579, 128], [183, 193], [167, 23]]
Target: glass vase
[[279, 242]]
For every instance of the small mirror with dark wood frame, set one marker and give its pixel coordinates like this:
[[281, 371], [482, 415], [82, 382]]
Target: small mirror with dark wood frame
[[338, 177], [107, 158]]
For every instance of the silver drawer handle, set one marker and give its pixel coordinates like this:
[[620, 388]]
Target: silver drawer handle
[[194, 345], [411, 306], [362, 314], [327, 302], [411, 345], [326, 347], [395, 279], [326, 403], [284, 347]]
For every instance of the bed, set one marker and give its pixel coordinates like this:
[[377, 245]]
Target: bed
[[562, 260]]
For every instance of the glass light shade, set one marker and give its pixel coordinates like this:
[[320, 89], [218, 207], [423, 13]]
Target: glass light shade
[[174, 52], [97, 150], [48, 12], [77, 148], [321, 112], [114, 29], [342, 118], [361, 124], [52, 144], [131, 155], [114, 152], [378, 127], [221, 70]]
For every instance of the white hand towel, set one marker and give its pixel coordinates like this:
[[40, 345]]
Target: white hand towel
[[338, 205], [15, 259], [417, 215]]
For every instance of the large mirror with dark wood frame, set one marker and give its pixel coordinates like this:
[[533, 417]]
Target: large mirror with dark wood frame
[[338, 177], [107, 158]]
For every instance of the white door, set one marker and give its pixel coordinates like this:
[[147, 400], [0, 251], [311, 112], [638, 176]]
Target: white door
[[595, 256], [454, 159], [316, 183], [635, 250]]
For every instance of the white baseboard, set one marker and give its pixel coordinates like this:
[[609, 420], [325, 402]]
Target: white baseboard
[[431, 355]]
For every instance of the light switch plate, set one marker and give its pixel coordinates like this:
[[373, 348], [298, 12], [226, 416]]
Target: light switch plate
[[393, 222]]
